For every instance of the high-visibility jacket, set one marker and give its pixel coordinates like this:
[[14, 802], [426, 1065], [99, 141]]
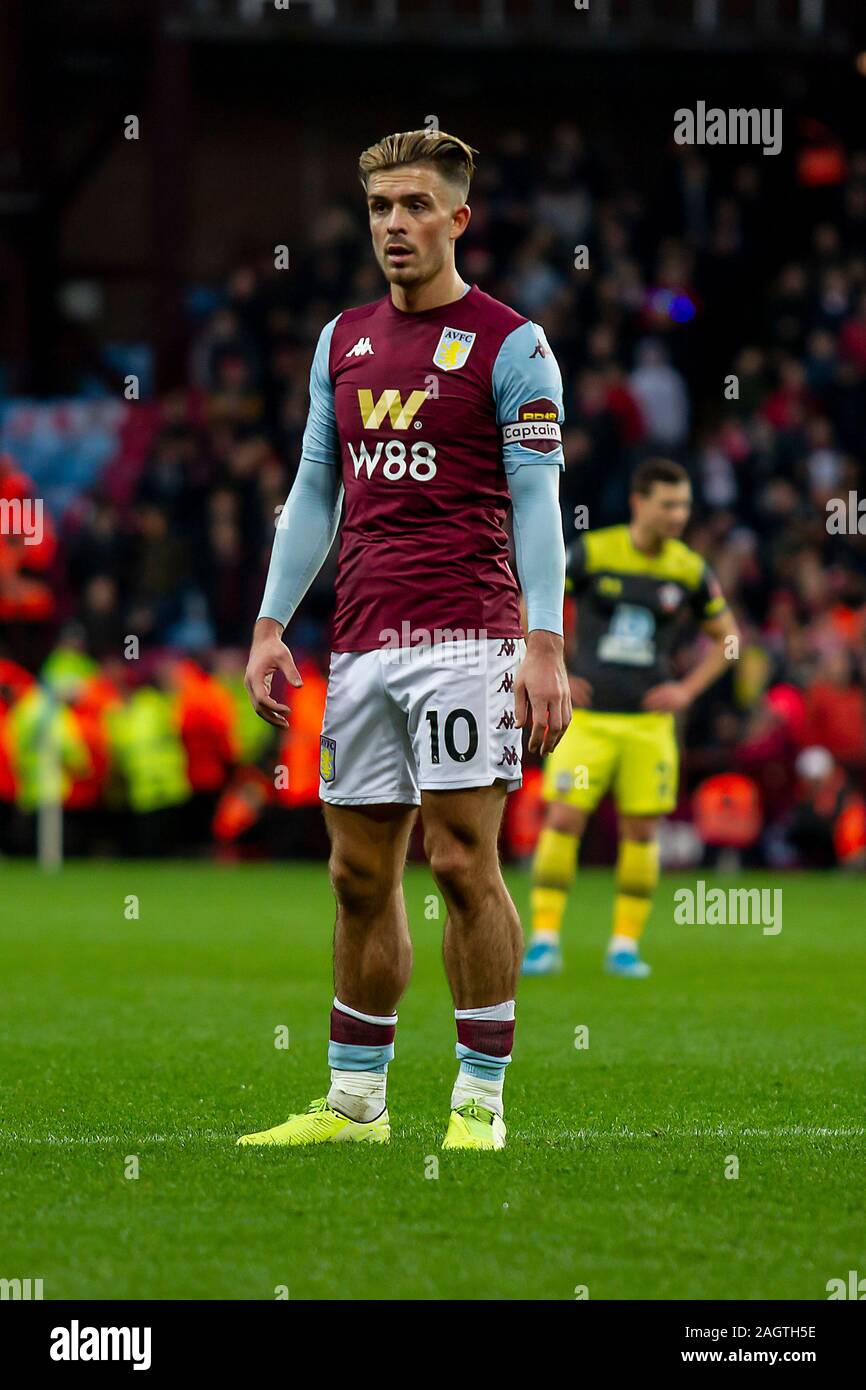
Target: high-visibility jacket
[[90, 710], [46, 749], [524, 815], [207, 727], [242, 803], [14, 682], [148, 749], [727, 810], [7, 770], [66, 670], [297, 779], [252, 735]]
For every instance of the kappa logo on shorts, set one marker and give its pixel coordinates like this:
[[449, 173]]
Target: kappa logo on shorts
[[327, 758]]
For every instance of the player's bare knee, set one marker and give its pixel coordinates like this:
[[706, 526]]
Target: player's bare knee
[[459, 868], [643, 829], [567, 820], [360, 887]]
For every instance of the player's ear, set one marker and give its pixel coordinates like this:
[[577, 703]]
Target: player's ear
[[460, 219]]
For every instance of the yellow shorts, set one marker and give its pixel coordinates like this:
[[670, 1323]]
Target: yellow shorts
[[635, 756]]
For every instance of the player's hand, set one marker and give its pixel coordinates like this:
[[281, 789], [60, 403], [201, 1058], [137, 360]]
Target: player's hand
[[581, 692], [668, 698], [268, 655], [541, 692]]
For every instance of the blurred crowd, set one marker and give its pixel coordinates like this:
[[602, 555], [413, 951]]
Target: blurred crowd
[[713, 311], [161, 757]]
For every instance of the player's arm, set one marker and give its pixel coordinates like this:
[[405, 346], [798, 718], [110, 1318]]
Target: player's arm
[[527, 391], [304, 535], [718, 623], [541, 687]]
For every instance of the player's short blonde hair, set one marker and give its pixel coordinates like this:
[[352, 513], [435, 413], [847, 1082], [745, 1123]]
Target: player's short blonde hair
[[452, 157]]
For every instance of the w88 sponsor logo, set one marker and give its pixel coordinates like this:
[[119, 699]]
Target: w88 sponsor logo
[[419, 461]]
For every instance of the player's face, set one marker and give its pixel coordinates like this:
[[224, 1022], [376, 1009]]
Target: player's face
[[415, 218], [666, 510]]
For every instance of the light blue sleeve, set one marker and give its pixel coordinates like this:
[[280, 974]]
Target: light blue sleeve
[[321, 442], [539, 543], [309, 520], [305, 533], [525, 373]]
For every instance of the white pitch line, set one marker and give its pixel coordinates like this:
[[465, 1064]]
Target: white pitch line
[[113, 1138], [724, 1132], [721, 1132]]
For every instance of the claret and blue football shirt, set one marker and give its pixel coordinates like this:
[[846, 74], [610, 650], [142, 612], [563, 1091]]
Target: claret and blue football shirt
[[425, 414]]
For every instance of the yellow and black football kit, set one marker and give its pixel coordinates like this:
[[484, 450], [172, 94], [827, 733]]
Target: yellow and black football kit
[[630, 607]]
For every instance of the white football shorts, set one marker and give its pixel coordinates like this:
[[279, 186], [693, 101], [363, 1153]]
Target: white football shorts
[[434, 717]]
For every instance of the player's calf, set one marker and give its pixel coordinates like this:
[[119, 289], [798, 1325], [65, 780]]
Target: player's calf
[[637, 874], [482, 950], [554, 867]]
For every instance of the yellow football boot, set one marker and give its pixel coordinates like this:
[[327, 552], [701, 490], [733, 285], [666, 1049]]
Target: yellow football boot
[[473, 1126], [321, 1125]]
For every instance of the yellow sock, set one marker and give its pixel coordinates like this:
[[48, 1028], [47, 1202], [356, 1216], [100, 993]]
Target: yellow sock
[[553, 870], [637, 874]]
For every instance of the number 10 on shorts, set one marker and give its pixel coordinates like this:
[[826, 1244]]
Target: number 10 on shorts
[[459, 735]]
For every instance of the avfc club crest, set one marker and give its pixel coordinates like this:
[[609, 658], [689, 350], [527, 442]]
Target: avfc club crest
[[670, 596], [453, 348], [327, 758]]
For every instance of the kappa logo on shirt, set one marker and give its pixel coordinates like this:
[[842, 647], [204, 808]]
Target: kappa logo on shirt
[[363, 348], [453, 348]]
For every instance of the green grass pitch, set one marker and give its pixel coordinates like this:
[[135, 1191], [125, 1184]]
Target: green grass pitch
[[154, 1038]]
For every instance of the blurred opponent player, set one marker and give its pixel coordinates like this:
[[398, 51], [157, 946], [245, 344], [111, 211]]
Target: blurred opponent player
[[431, 410], [633, 584]]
